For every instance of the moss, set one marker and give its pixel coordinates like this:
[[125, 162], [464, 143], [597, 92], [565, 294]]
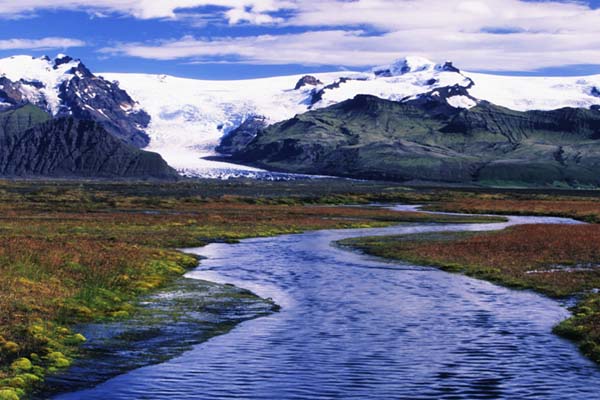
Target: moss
[[74, 340], [21, 365], [9, 348], [57, 359], [30, 379], [119, 314], [17, 382], [78, 252], [8, 394]]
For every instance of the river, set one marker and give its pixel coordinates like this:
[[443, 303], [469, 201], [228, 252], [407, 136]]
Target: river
[[356, 327]]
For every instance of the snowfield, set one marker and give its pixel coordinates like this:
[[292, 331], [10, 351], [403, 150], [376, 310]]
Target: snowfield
[[189, 116], [40, 70]]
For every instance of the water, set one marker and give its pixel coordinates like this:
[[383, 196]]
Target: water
[[355, 327]]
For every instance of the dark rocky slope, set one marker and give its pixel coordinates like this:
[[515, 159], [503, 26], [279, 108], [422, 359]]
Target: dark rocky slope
[[89, 97], [83, 96], [239, 138], [32, 144], [426, 139]]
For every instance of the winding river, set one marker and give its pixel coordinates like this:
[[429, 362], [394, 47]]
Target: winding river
[[356, 327]]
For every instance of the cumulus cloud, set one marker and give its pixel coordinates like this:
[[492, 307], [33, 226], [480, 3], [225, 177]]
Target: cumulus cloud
[[253, 11], [470, 50], [40, 44], [476, 34], [463, 15]]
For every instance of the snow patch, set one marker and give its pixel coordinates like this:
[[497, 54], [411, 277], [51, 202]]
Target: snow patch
[[189, 117], [42, 70], [461, 102], [534, 93], [404, 66]]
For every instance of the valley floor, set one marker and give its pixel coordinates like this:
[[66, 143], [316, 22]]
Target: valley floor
[[74, 252]]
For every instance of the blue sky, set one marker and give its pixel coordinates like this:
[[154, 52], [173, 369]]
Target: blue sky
[[229, 39]]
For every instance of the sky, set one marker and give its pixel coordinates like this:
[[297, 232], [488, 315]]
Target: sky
[[235, 39]]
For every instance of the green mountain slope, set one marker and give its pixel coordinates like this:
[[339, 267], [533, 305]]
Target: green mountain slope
[[21, 119], [426, 139], [32, 144]]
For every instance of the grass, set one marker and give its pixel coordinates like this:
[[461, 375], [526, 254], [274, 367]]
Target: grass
[[585, 209], [75, 252]]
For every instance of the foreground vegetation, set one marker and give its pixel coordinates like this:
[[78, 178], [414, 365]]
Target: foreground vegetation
[[557, 260], [76, 252]]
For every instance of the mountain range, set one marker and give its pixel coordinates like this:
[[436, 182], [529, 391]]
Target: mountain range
[[426, 139], [192, 123]]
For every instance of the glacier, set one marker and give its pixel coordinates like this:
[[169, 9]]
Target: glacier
[[189, 117]]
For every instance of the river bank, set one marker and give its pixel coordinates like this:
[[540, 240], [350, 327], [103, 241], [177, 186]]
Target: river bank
[[560, 261], [353, 326], [72, 253]]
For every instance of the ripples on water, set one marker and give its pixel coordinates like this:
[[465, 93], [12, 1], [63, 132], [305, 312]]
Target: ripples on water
[[354, 327]]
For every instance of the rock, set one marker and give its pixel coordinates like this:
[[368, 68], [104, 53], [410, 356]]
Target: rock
[[60, 60], [11, 93], [436, 102], [239, 138], [82, 95], [307, 80], [426, 139], [88, 97], [318, 94], [448, 67], [32, 144]]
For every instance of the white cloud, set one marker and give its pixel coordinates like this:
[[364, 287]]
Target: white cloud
[[519, 51], [40, 44], [253, 11], [465, 15], [341, 32]]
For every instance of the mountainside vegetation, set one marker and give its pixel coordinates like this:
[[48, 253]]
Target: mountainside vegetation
[[33, 144], [428, 140]]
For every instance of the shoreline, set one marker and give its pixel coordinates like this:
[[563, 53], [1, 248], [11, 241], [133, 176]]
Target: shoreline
[[117, 236], [572, 328], [167, 323], [110, 237], [275, 306], [221, 258]]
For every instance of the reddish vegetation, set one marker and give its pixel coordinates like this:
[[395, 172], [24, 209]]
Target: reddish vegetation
[[585, 209], [71, 254], [521, 250], [559, 260]]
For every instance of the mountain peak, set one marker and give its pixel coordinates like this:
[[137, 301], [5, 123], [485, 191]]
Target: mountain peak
[[63, 59], [405, 65], [411, 64]]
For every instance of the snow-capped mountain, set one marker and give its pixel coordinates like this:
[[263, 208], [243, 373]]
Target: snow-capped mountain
[[186, 119], [65, 87], [190, 117]]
